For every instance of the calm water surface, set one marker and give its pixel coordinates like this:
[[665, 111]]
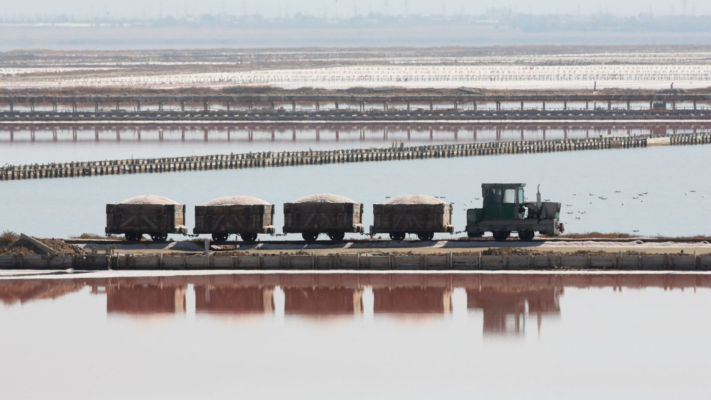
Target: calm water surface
[[23, 150], [677, 203], [356, 336]]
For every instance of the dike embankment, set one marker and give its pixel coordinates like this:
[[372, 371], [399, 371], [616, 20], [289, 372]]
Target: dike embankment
[[358, 262]]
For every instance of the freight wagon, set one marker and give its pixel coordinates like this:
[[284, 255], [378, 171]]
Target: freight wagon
[[418, 214], [241, 215], [323, 213], [152, 215]]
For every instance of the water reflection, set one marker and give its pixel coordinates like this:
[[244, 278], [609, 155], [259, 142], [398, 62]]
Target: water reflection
[[234, 299], [506, 301], [276, 336], [506, 309], [28, 144], [412, 300], [21, 292], [147, 299], [323, 301]]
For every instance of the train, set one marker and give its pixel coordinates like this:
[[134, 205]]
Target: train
[[504, 211]]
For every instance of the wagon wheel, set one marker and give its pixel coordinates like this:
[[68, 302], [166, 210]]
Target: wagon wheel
[[501, 236], [133, 237], [526, 235], [309, 237], [474, 234], [337, 237], [249, 237], [159, 237], [397, 235], [425, 236], [220, 237]]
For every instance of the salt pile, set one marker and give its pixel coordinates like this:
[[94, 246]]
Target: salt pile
[[324, 198], [236, 201], [414, 199], [149, 199]]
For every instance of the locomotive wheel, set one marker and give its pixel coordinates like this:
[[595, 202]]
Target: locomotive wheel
[[134, 237], [219, 237], [159, 237], [474, 234], [309, 237], [397, 235], [526, 235], [249, 237], [425, 236], [501, 236], [337, 237]]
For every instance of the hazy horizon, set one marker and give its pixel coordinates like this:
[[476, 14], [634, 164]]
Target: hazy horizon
[[83, 9]]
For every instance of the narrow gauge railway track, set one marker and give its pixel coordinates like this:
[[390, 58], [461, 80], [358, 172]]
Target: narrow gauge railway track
[[432, 243]]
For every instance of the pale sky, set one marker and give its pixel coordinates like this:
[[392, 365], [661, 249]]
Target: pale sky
[[343, 8]]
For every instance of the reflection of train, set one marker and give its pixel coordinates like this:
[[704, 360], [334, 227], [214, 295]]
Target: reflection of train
[[234, 299], [505, 309], [504, 211], [412, 300], [505, 301], [145, 299]]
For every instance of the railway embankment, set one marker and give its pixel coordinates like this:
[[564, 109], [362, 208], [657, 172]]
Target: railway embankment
[[466, 261], [28, 253], [299, 158]]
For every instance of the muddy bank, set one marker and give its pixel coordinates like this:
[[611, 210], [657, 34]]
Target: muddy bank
[[20, 247]]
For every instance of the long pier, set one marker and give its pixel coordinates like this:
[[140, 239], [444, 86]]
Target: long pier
[[316, 131], [283, 159], [40, 118], [385, 102]]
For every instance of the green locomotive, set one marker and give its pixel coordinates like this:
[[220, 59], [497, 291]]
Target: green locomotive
[[505, 210]]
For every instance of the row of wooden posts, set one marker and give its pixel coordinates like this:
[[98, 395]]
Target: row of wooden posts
[[293, 158]]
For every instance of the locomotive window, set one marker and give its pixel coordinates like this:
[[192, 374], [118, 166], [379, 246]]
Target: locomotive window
[[493, 195], [510, 196], [520, 195]]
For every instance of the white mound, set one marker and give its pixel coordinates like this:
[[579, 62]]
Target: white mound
[[236, 201], [414, 199], [324, 198], [149, 199]]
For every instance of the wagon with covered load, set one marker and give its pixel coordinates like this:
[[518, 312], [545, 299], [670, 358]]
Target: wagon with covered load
[[323, 213], [417, 214], [152, 215], [245, 216]]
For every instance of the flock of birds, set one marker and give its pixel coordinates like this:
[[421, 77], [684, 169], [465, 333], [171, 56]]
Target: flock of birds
[[638, 196]]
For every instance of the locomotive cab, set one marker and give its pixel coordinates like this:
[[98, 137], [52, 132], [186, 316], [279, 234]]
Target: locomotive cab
[[506, 210]]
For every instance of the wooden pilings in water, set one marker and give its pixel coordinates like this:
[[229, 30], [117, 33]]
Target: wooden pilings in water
[[283, 159]]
